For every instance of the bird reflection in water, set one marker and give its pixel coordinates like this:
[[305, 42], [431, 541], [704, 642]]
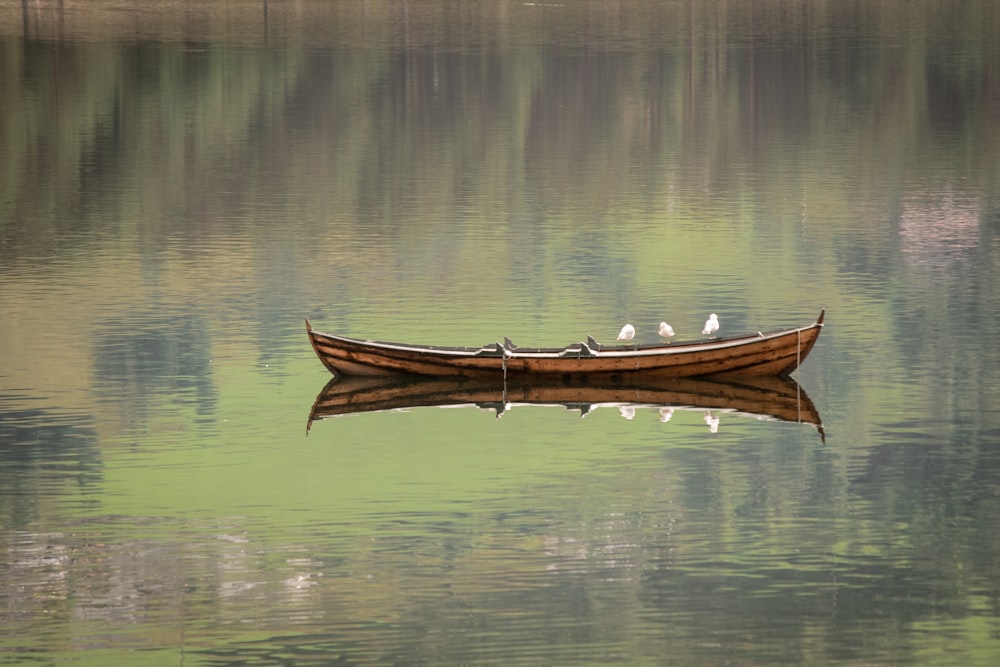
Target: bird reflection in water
[[712, 421]]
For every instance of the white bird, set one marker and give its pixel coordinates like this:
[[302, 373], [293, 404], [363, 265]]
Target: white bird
[[627, 411], [666, 414], [666, 330], [627, 332], [711, 325]]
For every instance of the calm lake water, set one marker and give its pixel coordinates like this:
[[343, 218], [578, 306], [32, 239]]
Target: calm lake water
[[181, 183]]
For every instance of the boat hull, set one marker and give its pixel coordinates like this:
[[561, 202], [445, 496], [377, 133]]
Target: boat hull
[[762, 354]]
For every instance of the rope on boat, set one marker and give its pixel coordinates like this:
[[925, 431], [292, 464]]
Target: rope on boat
[[798, 348], [503, 363], [798, 362]]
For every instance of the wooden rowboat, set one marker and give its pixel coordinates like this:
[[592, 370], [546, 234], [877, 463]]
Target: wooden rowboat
[[779, 398], [758, 354]]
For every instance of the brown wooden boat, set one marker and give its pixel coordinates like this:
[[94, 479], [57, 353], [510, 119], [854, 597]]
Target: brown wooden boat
[[778, 398], [759, 354]]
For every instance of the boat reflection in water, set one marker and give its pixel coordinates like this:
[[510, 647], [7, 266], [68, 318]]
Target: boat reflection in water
[[778, 398]]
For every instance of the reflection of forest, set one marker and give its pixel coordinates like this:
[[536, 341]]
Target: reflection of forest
[[674, 554], [419, 106], [372, 131], [364, 125]]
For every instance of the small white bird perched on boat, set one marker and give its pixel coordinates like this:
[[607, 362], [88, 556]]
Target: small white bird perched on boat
[[711, 325], [627, 332], [666, 330]]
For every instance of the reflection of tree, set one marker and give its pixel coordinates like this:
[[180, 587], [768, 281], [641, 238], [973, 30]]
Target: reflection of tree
[[42, 452], [775, 546], [156, 355]]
